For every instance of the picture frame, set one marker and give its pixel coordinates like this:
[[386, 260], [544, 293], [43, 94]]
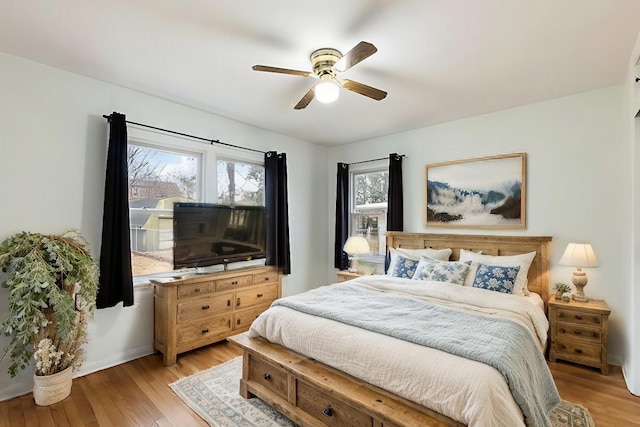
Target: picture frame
[[485, 193]]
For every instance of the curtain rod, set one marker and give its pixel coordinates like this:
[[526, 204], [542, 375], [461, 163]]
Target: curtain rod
[[375, 160], [210, 141]]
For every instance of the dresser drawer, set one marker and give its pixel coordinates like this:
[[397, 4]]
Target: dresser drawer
[[266, 277], [195, 289], [574, 316], [578, 351], [269, 376], [329, 410], [234, 282], [245, 318], [204, 307], [579, 331], [201, 330], [259, 295]]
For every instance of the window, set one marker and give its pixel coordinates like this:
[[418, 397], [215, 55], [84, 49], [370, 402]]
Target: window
[[158, 178], [240, 183], [369, 207]]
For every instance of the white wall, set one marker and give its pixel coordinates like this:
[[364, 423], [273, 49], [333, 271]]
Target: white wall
[[53, 141], [579, 176]]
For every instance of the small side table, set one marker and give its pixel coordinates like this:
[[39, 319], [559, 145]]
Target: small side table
[[580, 332], [344, 275]]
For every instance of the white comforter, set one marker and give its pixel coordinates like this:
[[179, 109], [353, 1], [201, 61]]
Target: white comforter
[[470, 392]]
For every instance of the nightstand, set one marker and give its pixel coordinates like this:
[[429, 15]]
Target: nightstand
[[579, 332], [344, 275]]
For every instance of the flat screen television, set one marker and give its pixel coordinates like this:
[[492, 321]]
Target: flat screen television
[[207, 234]]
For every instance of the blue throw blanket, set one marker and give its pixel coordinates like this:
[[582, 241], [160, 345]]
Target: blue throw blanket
[[503, 344]]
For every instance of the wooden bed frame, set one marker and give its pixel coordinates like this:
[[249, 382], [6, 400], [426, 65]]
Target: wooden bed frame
[[313, 394]]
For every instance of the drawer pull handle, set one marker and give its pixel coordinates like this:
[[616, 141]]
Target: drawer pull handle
[[578, 317], [328, 411], [238, 321], [562, 330], [205, 307], [578, 350], [259, 295], [228, 303], [204, 331], [235, 282], [196, 290], [238, 303], [266, 377]]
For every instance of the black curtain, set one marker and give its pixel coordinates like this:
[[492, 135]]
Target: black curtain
[[116, 282], [395, 210], [341, 260], [277, 209]]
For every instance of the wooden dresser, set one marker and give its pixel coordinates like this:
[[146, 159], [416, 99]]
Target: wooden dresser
[[198, 310], [579, 332]]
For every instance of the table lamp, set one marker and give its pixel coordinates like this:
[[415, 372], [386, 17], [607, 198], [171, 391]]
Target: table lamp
[[579, 255], [353, 246]]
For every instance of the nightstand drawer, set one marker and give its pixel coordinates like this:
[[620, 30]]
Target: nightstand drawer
[[575, 350], [581, 317], [579, 331]]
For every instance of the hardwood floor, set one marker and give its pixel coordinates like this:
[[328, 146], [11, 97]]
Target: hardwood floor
[[136, 394]]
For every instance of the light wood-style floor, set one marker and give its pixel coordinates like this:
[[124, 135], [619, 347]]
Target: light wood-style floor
[[136, 394]]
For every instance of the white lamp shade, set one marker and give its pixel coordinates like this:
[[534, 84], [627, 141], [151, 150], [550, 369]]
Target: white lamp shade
[[356, 245], [579, 255], [327, 92]]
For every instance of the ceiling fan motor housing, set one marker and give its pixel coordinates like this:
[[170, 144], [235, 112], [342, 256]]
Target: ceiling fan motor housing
[[323, 60]]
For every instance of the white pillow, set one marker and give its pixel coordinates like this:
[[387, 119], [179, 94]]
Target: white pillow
[[415, 254], [523, 261]]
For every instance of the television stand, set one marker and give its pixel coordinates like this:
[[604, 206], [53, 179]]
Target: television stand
[[198, 310]]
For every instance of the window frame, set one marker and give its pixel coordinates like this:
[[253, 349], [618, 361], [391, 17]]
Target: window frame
[[360, 169], [206, 175]]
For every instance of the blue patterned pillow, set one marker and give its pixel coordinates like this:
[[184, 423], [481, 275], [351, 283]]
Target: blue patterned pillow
[[442, 271], [405, 267], [496, 278]]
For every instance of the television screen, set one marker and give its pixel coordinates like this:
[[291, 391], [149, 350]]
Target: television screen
[[207, 234]]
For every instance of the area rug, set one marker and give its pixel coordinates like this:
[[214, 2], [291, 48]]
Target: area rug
[[213, 395]]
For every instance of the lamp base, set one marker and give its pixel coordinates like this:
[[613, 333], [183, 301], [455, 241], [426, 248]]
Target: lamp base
[[579, 280]]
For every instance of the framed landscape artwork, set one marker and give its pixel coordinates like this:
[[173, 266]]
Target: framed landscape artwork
[[486, 192]]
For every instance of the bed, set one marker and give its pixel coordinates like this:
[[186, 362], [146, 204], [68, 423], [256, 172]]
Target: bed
[[325, 371]]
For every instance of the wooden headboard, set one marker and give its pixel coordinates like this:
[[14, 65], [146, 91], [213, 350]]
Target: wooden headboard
[[489, 245]]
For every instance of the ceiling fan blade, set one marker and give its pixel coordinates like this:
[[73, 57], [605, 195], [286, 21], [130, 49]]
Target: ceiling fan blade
[[280, 70], [306, 99], [362, 51], [363, 89]]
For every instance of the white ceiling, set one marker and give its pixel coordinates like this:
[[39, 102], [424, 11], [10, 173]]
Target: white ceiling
[[439, 60]]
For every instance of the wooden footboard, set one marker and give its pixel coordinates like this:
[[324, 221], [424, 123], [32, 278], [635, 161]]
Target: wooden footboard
[[313, 394]]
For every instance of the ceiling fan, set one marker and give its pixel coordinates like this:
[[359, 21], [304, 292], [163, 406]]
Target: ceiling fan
[[327, 64]]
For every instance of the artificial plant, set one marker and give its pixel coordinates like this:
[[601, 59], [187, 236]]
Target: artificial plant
[[52, 282]]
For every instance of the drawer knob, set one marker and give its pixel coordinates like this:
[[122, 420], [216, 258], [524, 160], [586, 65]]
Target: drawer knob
[[259, 295], [578, 317], [562, 330], [267, 377], [235, 282], [578, 350], [228, 303], [205, 307], [238, 303], [204, 331], [196, 290], [328, 411]]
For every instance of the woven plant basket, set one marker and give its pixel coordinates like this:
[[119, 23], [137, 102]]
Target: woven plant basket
[[50, 389]]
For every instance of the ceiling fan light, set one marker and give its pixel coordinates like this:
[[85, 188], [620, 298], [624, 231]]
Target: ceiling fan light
[[327, 92]]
